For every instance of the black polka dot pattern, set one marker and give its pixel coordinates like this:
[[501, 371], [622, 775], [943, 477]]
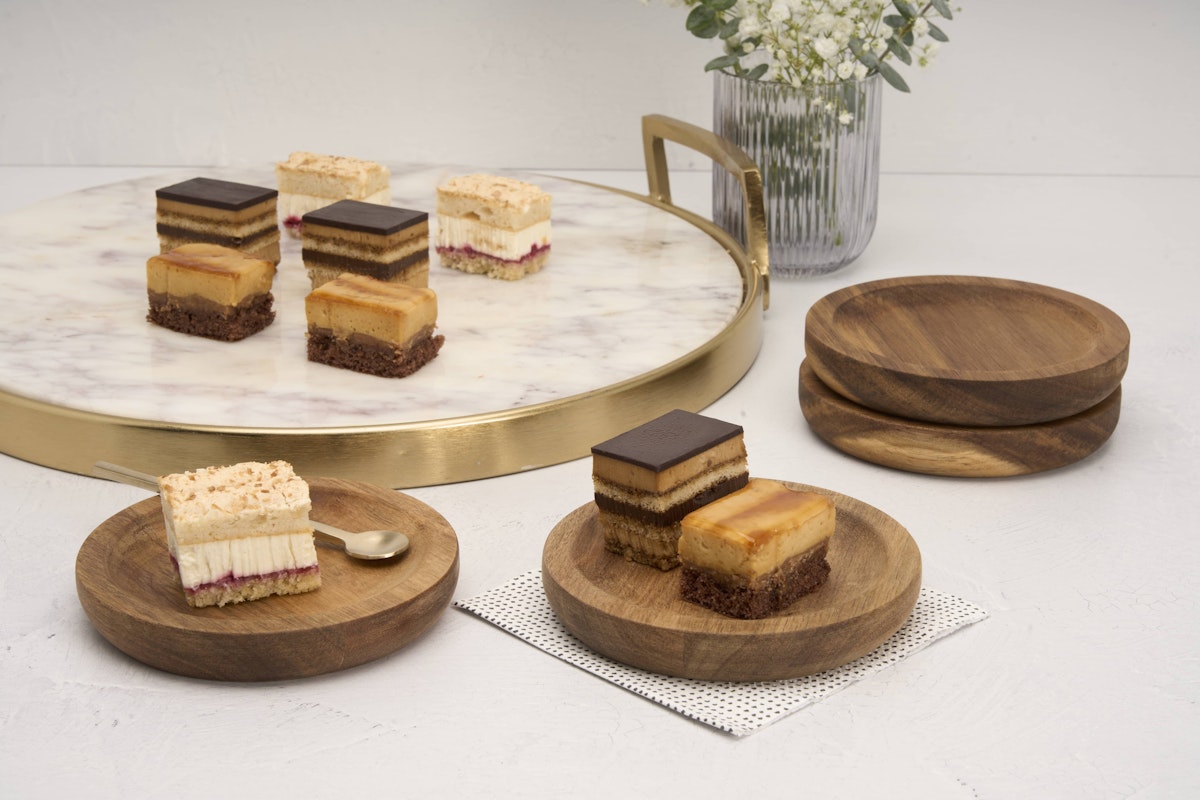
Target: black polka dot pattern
[[520, 607]]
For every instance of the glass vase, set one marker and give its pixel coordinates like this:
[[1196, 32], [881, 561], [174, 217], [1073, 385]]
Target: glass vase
[[818, 150]]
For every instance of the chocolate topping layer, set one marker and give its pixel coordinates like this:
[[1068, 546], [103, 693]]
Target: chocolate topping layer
[[216, 194], [353, 215], [674, 437]]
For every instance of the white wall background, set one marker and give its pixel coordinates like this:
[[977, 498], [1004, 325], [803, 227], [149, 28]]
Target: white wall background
[[1024, 86]]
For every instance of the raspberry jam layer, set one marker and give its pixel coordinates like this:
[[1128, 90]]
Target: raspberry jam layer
[[471, 252]]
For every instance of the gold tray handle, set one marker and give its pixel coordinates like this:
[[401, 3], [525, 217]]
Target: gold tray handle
[[656, 128]]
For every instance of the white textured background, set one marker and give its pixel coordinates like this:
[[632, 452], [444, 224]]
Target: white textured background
[[1025, 86]]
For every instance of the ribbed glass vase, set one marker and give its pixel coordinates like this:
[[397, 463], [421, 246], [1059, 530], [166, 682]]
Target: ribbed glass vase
[[820, 167]]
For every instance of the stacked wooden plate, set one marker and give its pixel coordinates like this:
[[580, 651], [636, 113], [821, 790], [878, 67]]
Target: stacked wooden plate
[[963, 376]]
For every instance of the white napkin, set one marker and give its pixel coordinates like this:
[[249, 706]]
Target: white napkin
[[521, 608]]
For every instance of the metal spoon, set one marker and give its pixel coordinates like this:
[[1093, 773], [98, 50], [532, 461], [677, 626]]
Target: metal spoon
[[371, 545]]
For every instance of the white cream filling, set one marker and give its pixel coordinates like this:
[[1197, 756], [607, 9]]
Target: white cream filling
[[200, 564], [458, 232]]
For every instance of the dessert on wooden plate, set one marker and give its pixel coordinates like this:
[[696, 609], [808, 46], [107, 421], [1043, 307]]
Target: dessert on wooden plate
[[365, 325], [220, 212], [382, 242], [308, 181], [756, 551], [493, 225], [239, 532], [211, 291], [648, 479]]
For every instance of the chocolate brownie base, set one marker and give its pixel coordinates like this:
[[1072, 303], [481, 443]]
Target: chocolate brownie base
[[735, 596], [372, 356], [200, 317]]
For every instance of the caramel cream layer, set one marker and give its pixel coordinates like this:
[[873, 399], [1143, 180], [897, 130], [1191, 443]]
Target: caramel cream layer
[[210, 271], [174, 212], [389, 312], [755, 529]]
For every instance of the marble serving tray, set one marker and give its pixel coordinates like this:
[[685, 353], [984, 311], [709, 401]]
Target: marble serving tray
[[639, 309]]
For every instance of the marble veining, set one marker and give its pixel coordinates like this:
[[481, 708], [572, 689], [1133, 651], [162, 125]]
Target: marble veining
[[628, 288]]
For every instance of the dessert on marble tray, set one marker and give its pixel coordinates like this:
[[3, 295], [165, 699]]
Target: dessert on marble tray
[[382, 242], [649, 478], [240, 532], [367, 325], [756, 551], [492, 225], [211, 291], [308, 181], [212, 211]]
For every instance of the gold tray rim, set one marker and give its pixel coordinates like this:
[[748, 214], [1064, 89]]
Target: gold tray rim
[[411, 454]]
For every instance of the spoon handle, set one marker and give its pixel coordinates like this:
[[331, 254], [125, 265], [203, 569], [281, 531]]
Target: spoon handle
[[115, 472]]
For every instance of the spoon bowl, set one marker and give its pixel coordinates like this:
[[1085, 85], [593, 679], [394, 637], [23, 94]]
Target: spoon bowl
[[369, 545]]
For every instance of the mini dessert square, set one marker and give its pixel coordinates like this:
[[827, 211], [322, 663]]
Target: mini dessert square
[[756, 551], [239, 532], [494, 226], [209, 211], [648, 479], [211, 291], [384, 329], [308, 181], [382, 242]]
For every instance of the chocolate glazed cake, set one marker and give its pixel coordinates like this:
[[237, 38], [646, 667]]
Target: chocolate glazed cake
[[209, 211], [648, 479], [382, 242]]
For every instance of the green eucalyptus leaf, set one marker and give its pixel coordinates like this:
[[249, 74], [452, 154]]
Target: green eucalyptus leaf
[[942, 7], [937, 33], [730, 28], [720, 5], [908, 38], [757, 72], [892, 77], [904, 8], [899, 51], [702, 22], [721, 62], [895, 21]]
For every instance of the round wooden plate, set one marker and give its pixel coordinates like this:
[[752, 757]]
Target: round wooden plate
[[965, 452], [633, 613], [364, 609], [966, 350]]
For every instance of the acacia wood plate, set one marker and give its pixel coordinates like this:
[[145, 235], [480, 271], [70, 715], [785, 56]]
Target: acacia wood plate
[[950, 450], [364, 609], [633, 614], [966, 350]]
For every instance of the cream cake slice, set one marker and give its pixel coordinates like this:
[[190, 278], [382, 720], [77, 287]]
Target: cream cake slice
[[493, 225], [648, 479], [382, 242], [240, 532], [211, 291], [210, 211], [308, 181], [756, 551], [367, 325]]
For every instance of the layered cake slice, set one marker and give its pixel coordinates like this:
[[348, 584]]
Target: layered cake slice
[[648, 479], [755, 552], [382, 242], [211, 211], [211, 291], [308, 181], [359, 323], [239, 532], [491, 225]]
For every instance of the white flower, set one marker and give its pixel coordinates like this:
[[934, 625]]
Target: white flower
[[845, 70], [825, 47], [779, 12], [920, 26], [845, 118], [860, 71]]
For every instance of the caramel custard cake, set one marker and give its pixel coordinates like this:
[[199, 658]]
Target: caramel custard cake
[[492, 225], [211, 291], [382, 242], [308, 181], [240, 532], [365, 325], [756, 551], [649, 478], [210, 211]]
